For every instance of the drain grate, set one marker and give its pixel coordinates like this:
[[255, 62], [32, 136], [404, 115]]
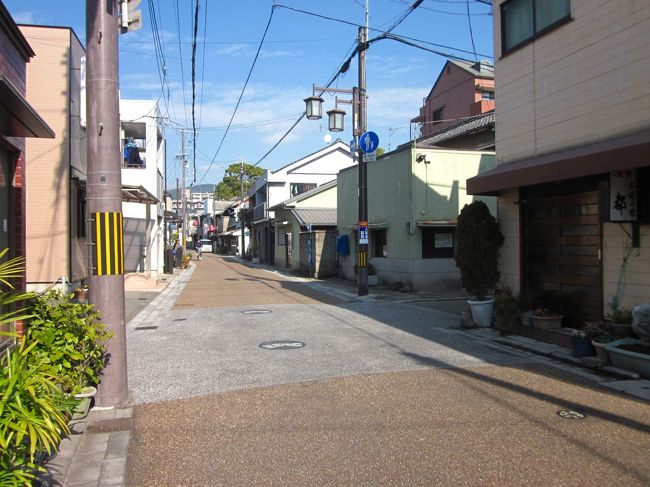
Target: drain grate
[[146, 328], [570, 414], [281, 345], [256, 311], [110, 425]]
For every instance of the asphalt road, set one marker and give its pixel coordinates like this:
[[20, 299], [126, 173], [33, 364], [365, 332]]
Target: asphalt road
[[383, 392]]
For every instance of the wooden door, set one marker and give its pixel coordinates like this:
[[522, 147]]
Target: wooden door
[[562, 247]]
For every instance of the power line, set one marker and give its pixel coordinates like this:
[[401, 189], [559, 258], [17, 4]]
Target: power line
[[196, 31], [180, 51], [205, 35], [471, 33], [250, 72], [313, 14]]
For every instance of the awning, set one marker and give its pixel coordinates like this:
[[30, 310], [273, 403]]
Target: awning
[[628, 152], [137, 194], [17, 117], [325, 217], [435, 223]]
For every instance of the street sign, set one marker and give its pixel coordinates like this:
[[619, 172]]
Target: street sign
[[368, 142], [370, 157], [363, 233]]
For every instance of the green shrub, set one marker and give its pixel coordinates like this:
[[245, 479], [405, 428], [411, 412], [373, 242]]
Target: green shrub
[[69, 339], [478, 240], [506, 307], [33, 415]]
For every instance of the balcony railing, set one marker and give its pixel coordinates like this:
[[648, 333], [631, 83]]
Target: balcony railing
[[259, 212]]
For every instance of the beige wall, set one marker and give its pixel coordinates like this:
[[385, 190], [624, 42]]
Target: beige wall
[[626, 270], [510, 252], [584, 82], [50, 202]]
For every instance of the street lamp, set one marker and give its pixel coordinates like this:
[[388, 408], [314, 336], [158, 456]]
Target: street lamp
[[314, 111]]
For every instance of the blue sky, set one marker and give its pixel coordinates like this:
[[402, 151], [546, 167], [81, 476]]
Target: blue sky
[[299, 50]]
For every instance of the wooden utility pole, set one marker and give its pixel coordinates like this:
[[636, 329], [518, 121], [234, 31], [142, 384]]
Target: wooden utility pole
[[104, 193]]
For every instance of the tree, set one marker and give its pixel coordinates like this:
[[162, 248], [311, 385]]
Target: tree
[[230, 186], [380, 151]]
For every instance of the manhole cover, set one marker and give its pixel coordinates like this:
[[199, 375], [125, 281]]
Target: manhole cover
[[281, 345], [256, 311], [180, 319], [147, 328], [570, 414]]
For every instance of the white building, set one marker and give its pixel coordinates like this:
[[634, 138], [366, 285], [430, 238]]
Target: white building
[[143, 176], [274, 187]]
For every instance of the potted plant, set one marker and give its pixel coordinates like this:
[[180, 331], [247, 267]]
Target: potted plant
[[631, 353], [546, 319], [525, 308], [81, 293], [548, 314], [506, 307], [620, 320], [478, 240]]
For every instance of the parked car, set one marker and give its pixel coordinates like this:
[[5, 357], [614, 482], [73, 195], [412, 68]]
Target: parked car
[[206, 245]]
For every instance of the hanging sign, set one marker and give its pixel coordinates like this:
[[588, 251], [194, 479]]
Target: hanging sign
[[622, 196], [363, 233]]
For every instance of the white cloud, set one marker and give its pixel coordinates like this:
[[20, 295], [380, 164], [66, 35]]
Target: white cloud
[[25, 17]]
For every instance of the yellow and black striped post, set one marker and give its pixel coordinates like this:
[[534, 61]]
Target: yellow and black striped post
[[108, 255]]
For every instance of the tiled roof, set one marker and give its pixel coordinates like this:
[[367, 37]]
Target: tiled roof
[[459, 129], [315, 216]]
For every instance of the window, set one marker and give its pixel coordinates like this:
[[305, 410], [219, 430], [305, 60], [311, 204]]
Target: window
[[436, 116], [437, 243], [299, 188], [525, 20], [81, 213], [379, 242], [487, 95], [282, 236]]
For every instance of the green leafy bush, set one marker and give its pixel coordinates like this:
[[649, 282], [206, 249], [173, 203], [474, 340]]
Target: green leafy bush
[[506, 308], [33, 415], [69, 340], [478, 240]]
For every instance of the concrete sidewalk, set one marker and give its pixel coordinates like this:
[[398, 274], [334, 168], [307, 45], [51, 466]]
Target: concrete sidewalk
[[96, 453]]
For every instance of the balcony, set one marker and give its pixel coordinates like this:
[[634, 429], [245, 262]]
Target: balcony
[[259, 212]]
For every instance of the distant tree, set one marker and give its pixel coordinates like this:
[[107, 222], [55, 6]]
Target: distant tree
[[230, 186], [380, 151]]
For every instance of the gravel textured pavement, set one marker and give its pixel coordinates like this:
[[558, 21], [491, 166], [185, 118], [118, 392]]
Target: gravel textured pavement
[[382, 393]]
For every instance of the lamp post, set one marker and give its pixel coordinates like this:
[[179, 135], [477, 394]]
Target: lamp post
[[314, 111]]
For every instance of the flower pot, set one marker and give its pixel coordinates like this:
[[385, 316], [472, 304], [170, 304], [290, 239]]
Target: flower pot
[[622, 330], [81, 295], [582, 347], [525, 317], [481, 312], [547, 322], [629, 360]]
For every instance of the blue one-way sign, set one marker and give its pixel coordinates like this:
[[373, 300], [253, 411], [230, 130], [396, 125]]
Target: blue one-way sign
[[368, 142]]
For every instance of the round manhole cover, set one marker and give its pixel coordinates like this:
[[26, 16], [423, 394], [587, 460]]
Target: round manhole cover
[[180, 319], [281, 345], [256, 311], [570, 414]]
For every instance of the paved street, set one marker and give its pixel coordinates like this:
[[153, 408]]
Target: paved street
[[383, 392]]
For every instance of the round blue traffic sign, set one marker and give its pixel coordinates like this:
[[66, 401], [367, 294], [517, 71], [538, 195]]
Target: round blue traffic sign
[[368, 142]]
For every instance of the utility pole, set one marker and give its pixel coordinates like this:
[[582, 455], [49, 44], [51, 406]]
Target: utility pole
[[104, 193], [184, 198], [363, 170], [241, 208]]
